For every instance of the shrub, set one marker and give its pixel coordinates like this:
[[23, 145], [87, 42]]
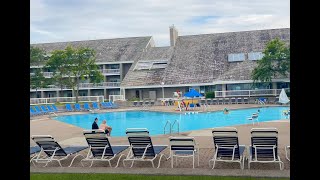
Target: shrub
[[210, 95]]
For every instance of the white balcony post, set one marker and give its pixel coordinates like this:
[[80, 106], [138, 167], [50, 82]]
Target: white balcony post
[[162, 83], [224, 88]]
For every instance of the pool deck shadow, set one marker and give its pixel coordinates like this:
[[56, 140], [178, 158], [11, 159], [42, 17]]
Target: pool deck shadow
[[68, 135]]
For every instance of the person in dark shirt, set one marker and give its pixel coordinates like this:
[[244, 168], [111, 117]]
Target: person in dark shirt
[[94, 124]]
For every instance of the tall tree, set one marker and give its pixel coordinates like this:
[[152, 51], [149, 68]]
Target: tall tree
[[37, 56], [74, 65], [275, 62], [59, 65], [37, 59]]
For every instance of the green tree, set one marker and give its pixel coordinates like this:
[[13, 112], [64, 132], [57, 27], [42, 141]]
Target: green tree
[[37, 56], [59, 65], [73, 65], [275, 62], [37, 59]]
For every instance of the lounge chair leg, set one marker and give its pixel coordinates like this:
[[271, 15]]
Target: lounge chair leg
[[214, 163], [59, 163], [81, 163], [46, 164], [31, 160], [171, 161], [33, 163], [91, 163], [281, 163], [243, 162], [198, 159], [193, 161], [286, 153], [176, 161], [152, 164], [119, 160], [160, 159], [132, 163], [75, 158], [109, 163]]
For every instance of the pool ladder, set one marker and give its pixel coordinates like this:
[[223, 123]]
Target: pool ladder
[[171, 130]]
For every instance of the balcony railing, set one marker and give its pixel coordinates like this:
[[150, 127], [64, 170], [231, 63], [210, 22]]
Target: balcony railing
[[45, 74], [103, 71], [83, 86], [248, 93], [104, 84], [36, 101], [110, 71]]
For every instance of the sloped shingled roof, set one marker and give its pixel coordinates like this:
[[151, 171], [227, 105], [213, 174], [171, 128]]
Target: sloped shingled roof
[[107, 50], [204, 58]]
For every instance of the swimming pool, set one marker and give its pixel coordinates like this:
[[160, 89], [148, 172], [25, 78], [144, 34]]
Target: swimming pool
[[155, 121]]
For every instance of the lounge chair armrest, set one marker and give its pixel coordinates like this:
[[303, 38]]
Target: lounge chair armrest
[[273, 147], [145, 149], [227, 146], [233, 147], [264, 146]]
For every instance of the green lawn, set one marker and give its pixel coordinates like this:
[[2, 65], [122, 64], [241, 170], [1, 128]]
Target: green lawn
[[39, 176]]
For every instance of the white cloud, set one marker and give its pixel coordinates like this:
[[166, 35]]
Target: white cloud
[[71, 20]]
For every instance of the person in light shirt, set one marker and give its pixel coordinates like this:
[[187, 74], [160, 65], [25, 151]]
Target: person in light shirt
[[107, 129]]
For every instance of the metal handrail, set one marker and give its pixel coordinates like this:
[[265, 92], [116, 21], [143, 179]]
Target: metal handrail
[[178, 124], [164, 128]]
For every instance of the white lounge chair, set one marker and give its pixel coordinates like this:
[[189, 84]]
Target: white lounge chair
[[183, 147], [141, 147], [100, 148], [227, 148], [264, 147], [53, 151]]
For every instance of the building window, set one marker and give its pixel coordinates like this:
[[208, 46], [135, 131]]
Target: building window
[[114, 66], [82, 93], [255, 56], [281, 85], [248, 86], [209, 88], [137, 94], [236, 57], [151, 64], [218, 87]]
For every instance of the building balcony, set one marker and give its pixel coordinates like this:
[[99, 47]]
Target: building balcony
[[99, 85], [103, 71], [45, 74], [81, 86], [110, 71]]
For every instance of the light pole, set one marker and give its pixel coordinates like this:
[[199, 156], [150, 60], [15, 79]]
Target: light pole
[[162, 83]]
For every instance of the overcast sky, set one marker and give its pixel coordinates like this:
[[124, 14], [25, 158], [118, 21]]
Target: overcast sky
[[76, 20]]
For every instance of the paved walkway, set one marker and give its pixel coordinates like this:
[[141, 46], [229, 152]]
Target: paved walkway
[[68, 135]]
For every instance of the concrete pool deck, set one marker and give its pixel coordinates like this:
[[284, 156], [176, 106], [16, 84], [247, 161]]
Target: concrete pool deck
[[67, 135]]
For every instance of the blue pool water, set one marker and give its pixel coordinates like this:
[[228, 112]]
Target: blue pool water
[[155, 121]]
